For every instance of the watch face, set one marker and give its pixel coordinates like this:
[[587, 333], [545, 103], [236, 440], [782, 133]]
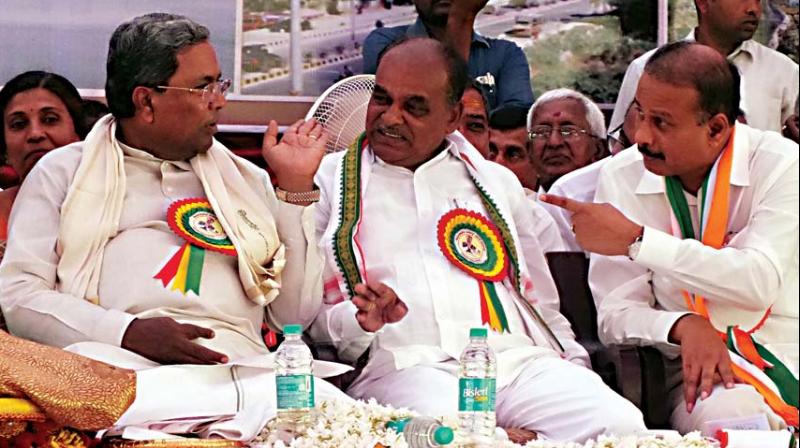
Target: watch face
[[633, 249]]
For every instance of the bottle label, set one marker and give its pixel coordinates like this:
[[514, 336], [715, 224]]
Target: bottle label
[[295, 391], [476, 394]]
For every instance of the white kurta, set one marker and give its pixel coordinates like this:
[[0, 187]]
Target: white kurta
[[769, 88], [413, 362], [398, 237], [639, 301], [37, 310]]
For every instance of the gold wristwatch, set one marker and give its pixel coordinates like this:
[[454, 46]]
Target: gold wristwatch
[[297, 197]]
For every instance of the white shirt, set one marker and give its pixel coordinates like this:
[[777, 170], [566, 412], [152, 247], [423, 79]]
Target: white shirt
[[769, 88], [544, 226], [35, 308], [639, 301], [579, 185], [398, 237]]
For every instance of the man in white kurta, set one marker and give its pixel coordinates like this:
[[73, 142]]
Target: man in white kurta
[[640, 298], [412, 173], [92, 234]]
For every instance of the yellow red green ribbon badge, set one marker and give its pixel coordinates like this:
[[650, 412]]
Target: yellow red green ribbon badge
[[193, 220], [473, 244]]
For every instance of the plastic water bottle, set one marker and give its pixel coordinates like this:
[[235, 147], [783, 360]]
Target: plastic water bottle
[[422, 432], [477, 388], [294, 382]]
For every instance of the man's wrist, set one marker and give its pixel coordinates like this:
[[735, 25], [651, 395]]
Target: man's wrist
[[296, 185], [298, 197], [678, 328], [635, 243]]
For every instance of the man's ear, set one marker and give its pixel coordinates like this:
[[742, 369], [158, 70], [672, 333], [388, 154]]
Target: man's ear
[[455, 117], [702, 6], [600, 149], [143, 103], [718, 127]]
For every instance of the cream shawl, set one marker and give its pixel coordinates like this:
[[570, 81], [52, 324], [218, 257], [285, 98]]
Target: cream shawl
[[241, 198]]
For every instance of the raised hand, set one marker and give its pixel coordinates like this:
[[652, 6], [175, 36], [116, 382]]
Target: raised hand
[[705, 358], [598, 228], [296, 158], [377, 305], [166, 341]]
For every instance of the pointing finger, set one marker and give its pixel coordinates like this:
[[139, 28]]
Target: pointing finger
[[565, 203]]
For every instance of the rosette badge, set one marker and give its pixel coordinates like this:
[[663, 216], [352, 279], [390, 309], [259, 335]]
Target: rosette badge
[[474, 244], [196, 223]]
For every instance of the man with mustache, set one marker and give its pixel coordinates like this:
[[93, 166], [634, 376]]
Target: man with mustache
[[695, 244], [108, 244], [770, 80], [500, 65], [389, 220]]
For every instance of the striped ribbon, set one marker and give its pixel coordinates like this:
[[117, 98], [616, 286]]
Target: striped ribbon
[[753, 363]]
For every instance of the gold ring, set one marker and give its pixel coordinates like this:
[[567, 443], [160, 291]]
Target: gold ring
[[313, 137], [370, 306]]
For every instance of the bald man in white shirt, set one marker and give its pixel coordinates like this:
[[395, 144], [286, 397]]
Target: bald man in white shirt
[[695, 244]]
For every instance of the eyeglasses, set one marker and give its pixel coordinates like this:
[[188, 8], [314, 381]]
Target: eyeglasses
[[566, 132], [208, 93]]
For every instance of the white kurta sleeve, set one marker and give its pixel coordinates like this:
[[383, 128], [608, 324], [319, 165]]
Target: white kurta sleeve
[[747, 273], [32, 305], [301, 280]]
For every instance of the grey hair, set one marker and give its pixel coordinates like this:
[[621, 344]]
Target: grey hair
[[594, 116], [143, 52]]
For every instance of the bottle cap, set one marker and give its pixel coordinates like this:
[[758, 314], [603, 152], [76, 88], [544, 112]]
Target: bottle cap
[[397, 425], [478, 333], [443, 435], [293, 329]]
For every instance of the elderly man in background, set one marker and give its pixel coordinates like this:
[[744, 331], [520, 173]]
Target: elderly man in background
[[695, 247], [152, 237], [500, 65], [770, 80], [405, 295], [509, 146], [567, 132]]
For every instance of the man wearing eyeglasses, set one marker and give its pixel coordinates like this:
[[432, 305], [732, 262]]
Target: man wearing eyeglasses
[[509, 146], [567, 135], [567, 131], [154, 238]]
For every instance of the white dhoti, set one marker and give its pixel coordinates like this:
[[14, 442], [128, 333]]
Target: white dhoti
[[232, 401], [555, 398]]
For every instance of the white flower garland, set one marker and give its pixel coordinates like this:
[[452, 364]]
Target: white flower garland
[[363, 425]]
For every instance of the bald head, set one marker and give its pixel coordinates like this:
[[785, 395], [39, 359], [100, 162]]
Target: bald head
[[689, 64], [425, 54]]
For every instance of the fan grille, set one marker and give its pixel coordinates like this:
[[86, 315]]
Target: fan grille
[[342, 110]]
